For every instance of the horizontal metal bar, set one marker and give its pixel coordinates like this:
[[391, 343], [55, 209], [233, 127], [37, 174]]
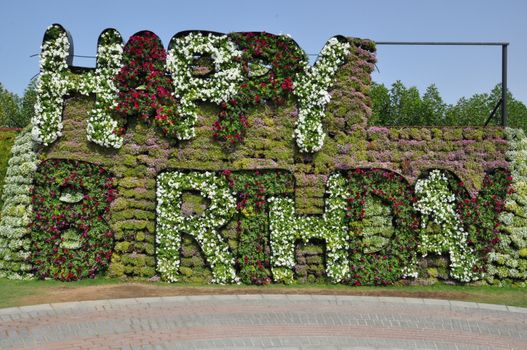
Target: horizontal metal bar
[[451, 43]]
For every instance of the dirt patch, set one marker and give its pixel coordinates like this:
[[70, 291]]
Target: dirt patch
[[140, 290]]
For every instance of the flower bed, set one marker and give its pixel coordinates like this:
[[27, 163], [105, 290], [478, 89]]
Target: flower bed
[[227, 159]]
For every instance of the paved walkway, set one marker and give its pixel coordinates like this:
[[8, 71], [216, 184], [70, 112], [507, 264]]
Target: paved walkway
[[262, 322]]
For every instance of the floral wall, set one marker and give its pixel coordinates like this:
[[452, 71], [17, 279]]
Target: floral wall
[[227, 158]]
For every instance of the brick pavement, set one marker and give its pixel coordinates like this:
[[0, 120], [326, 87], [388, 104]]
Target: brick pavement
[[264, 321]]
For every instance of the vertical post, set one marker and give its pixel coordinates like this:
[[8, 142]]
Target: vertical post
[[504, 84]]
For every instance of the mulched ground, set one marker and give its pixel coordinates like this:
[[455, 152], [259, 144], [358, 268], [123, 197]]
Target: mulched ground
[[139, 290]]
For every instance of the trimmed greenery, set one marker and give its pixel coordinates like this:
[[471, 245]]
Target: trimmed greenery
[[508, 264], [15, 237]]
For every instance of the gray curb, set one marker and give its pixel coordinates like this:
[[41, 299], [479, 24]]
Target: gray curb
[[336, 299]]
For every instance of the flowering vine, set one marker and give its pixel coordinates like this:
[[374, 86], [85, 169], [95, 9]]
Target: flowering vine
[[252, 226], [395, 258], [285, 228], [204, 228], [480, 215], [441, 227], [269, 64], [70, 237], [311, 88], [144, 88], [220, 86]]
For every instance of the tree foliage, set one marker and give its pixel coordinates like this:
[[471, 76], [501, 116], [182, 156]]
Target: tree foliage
[[9, 107], [400, 105], [16, 112], [27, 105]]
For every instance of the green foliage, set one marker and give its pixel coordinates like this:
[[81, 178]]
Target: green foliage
[[476, 109], [400, 105], [16, 112], [27, 107], [9, 108], [381, 111], [432, 106]]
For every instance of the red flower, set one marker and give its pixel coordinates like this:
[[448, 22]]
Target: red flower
[[287, 84]]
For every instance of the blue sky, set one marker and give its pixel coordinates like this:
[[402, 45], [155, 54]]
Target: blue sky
[[456, 71]]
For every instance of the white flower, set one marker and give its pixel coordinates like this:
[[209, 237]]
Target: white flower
[[286, 227], [436, 203], [55, 80], [311, 89], [221, 86], [171, 223]]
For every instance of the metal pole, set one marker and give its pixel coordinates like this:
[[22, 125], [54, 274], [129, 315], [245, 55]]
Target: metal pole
[[504, 84], [445, 43]]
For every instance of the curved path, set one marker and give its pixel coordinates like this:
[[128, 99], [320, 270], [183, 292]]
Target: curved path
[[264, 321]]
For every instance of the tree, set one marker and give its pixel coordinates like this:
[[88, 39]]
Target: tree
[[400, 105], [16, 112], [410, 107], [9, 107], [381, 109], [470, 111], [433, 108], [397, 106], [477, 109], [516, 110], [27, 108], [397, 100]]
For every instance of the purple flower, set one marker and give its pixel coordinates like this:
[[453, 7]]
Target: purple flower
[[379, 129]]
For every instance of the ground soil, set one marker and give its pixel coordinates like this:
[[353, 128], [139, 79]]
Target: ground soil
[[138, 290]]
